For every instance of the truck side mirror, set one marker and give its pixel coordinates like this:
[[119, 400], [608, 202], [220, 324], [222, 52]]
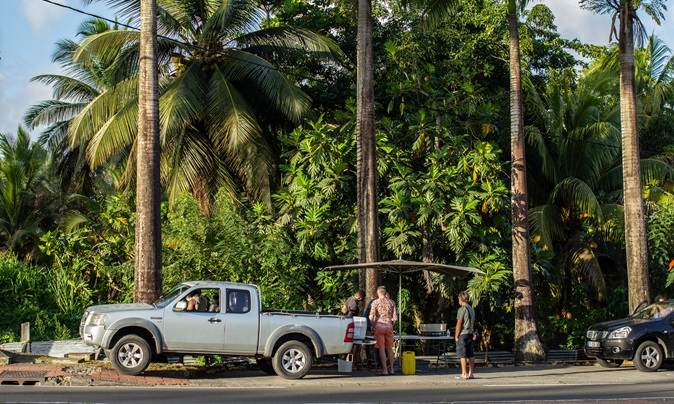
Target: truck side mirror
[[180, 306]]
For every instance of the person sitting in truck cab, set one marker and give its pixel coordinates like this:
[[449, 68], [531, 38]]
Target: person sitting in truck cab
[[215, 303], [197, 302]]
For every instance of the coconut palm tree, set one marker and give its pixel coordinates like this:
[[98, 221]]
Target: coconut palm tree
[[24, 192], [577, 148], [221, 96], [368, 223], [528, 346], [527, 342], [147, 264], [631, 27]]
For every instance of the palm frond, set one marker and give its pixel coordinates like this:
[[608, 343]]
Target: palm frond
[[115, 136], [65, 87], [73, 220], [573, 192], [105, 47], [51, 111], [182, 101], [654, 170], [263, 81], [232, 18], [98, 112], [546, 225], [236, 134], [271, 42], [585, 262]]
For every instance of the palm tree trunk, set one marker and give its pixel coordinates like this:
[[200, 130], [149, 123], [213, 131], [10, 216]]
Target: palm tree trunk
[[427, 256], [635, 226], [148, 270], [368, 223], [528, 346]]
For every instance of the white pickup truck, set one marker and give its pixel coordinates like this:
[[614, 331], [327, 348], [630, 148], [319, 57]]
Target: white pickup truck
[[230, 322]]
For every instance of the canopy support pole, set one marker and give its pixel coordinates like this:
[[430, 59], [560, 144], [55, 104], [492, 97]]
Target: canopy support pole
[[400, 300]]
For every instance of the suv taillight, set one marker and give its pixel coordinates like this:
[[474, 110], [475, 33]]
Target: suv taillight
[[348, 337]]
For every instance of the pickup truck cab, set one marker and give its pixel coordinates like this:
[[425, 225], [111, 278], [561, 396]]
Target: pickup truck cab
[[229, 321], [646, 338]]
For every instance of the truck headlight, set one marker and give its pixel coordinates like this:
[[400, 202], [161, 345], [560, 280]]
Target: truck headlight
[[620, 333], [98, 319]]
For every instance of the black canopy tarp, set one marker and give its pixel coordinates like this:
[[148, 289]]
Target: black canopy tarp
[[406, 267]]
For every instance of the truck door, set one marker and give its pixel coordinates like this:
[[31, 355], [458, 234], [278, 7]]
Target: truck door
[[198, 330], [241, 322]]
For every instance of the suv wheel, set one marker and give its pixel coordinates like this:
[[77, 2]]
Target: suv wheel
[[130, 355], [292, 360], [648, 357], [609, 363]]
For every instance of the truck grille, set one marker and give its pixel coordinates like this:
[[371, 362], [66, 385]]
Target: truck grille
[[83, 322]]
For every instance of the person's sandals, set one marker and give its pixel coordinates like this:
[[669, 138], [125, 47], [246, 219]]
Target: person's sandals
[[461, 378]]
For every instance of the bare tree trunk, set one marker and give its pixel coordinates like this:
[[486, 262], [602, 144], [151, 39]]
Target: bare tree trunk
[[635, 227], [368, 223], [528, 346], [148, 270]]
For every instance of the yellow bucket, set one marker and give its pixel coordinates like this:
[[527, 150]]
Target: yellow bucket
[[409, 363]]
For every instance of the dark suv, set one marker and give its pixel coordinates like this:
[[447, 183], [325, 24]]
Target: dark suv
[[646, 338]]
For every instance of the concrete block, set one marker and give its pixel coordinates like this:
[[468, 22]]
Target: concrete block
[[84, 356], [5, 359]]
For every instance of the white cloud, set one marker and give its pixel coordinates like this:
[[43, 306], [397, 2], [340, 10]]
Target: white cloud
[[39, 14], [14, 104], [574, 22]]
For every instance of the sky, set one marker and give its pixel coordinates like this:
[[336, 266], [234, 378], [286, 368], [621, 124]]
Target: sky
[[30, 28]]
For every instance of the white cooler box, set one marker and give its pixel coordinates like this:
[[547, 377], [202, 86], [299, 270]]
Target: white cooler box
[[360, 327]]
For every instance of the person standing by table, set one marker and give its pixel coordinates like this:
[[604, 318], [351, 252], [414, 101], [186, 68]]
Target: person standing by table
[[465, 319], [383, 316], [350, 309]]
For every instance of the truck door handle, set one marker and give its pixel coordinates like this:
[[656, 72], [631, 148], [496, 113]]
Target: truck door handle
[[214, 320]]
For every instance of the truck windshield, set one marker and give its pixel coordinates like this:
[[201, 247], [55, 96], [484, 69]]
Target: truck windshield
[[164, 300], [654, 311]]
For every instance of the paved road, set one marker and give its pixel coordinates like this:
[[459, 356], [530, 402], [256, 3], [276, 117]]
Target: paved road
[[539, 384], [421, 393]]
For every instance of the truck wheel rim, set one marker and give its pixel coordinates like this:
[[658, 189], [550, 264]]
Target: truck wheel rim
[[649, 357], [294, 360], [130, 355]]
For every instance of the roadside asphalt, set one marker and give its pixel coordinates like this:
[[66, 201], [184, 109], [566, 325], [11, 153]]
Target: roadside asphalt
[[67, 363]]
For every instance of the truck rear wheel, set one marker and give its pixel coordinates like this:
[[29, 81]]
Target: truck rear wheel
[[130, 355], [292, 360]]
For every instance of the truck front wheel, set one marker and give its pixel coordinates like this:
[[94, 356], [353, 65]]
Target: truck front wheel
[[130, 355], [292, 360]]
